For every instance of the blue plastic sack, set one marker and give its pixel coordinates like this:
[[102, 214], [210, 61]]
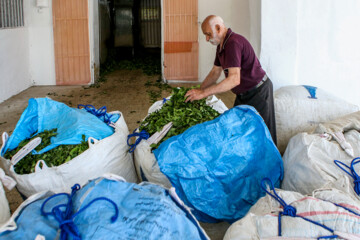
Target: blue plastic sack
[[216, 167], [46, 114], [145, 211]]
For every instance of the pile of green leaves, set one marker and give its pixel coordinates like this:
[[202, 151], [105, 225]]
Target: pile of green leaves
[[183, 115], [52, 158]]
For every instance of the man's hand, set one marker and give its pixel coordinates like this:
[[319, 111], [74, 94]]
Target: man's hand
[[194, 94]]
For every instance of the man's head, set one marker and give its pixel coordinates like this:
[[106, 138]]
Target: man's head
[[214, 29]]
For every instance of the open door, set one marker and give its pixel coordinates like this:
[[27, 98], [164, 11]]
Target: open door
[[181, 46], [71, 39]]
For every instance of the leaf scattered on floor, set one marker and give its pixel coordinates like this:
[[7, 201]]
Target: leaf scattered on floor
[[52, 94]]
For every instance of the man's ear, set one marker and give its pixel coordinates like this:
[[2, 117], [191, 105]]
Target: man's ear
[[217, 27]]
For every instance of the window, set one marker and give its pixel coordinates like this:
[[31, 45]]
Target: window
[[11, 13]]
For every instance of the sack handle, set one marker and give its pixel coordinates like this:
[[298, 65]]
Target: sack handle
[[92, 141], [7, 181], [5, 137], [43, 167]]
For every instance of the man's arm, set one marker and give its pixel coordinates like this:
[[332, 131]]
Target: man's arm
[[212, 77], [225, 85]]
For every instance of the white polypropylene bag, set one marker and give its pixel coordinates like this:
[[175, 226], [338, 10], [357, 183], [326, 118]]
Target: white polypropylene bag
[[9, 183], [145, 162], [109, 155], [309, 158], [296, 111], [261, 222]]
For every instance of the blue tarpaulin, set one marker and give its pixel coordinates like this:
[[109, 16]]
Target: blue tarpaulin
[[217, 166], [46, 114], [145, 211]]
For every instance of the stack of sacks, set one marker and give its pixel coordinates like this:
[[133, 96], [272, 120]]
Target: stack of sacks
[[328, 213], [309, 160], [105, 208], [106, 153], [145, 163], [301, 108], [4, 205], [216, 166]]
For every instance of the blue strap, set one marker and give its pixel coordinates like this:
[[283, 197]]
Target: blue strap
[[328, 237], [164, 100], [347, 209], [101, 112], [66, 217], [288, 209], [352, 172], [311, 90], [141, 135]]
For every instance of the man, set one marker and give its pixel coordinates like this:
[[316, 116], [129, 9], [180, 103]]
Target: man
[[243, 72]]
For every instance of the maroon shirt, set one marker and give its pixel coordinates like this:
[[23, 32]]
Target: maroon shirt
[[237, 52]]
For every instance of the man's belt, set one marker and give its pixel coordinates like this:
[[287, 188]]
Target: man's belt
[[256, 87], [261, 82]]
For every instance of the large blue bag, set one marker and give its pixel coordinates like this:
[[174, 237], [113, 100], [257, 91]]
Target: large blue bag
[[216, 167], [46, 114], [122, 211]]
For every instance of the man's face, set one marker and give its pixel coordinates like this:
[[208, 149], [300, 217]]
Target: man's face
[[211, 36]]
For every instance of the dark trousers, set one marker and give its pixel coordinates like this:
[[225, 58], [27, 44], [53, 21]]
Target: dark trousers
[[262, 100]]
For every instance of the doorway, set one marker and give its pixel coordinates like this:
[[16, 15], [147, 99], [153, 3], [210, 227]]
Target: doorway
[[132, 30]]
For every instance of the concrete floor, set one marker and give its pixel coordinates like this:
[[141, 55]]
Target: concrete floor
[[124, 90]]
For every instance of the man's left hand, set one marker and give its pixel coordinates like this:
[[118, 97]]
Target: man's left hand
[[194, 94]]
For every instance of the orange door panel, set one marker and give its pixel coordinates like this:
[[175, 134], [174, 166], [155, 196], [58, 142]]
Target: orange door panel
[[71, 40], [181, 47]]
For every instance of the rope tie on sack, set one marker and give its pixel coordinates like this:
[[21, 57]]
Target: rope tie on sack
[[66, 217], [141, 135], [290, 210], [352, 172], [101, 112]]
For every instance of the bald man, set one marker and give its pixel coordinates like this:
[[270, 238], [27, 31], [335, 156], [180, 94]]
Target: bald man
[[243, 73]]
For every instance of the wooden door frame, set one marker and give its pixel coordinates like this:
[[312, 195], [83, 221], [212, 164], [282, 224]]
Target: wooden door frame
[[93, 36], [163, 48]]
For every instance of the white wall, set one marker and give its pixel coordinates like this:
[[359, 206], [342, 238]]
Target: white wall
[[279, 40], [41, 41], [314, 43], [14, 60], [255, 25], [94, 39], [236, 15]]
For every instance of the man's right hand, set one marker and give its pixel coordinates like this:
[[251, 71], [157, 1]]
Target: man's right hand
[[194, 94]]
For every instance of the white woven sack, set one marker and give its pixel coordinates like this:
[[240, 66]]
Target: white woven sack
[[109, 155], [9, 183], [309, 158], [261, 222], [146, 164], [296, 112]]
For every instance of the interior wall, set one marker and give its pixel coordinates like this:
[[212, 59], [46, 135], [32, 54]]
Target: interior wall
[[94, 39], [255, 25], [329, 46], [279, 39], [41, 43], [314, 43], [14, 59]]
